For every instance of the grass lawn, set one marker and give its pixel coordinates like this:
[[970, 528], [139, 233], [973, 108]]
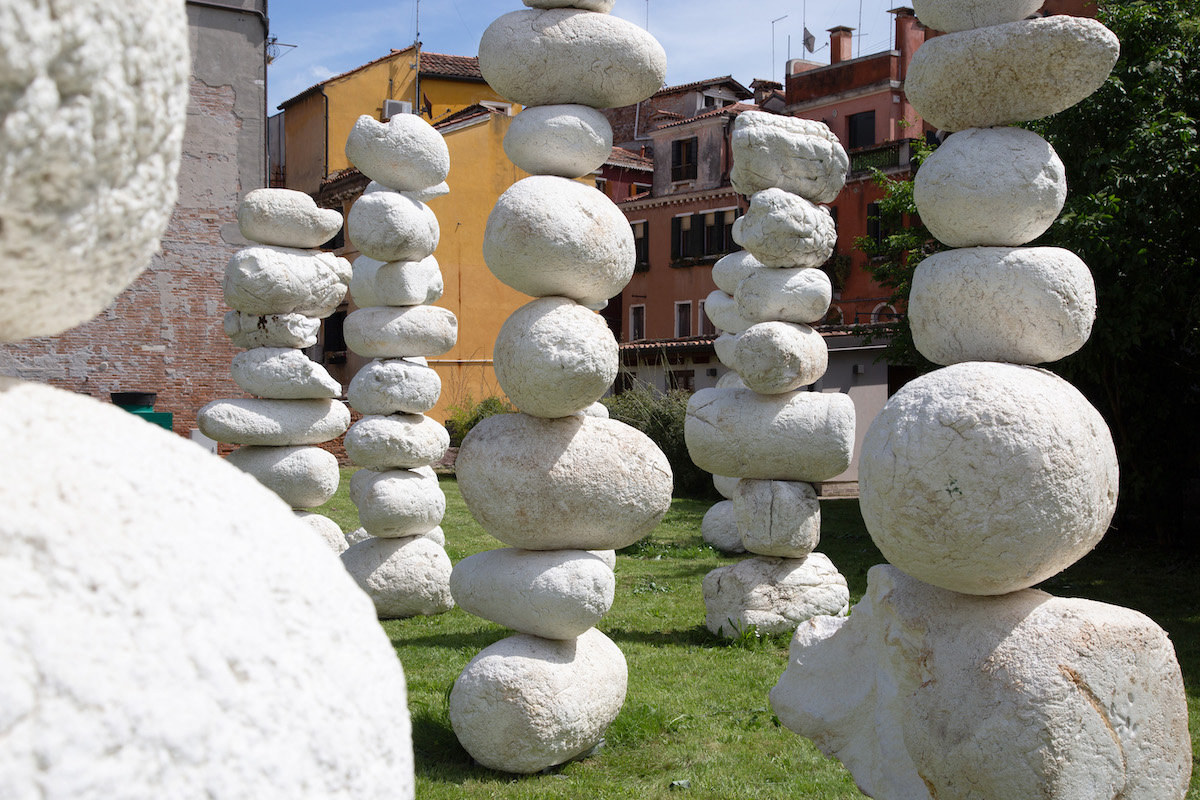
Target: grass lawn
[[696, 721]]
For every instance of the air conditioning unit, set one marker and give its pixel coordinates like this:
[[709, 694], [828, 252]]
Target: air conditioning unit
[[393, 107]]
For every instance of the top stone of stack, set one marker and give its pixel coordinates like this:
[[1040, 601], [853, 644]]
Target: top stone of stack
[[800, 156], [406, 153], [286, 218], [602, 6], [950, 16]]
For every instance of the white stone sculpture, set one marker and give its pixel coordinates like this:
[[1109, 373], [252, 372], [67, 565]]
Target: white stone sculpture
[[719, 528], [723, 312], [784, 295], [394, 386], [800, 156], [784, 230], [404, 577], [266, 280], [729, 271], [388, 226], [773, 595], [950, 16], [286, 218], [271, 330], [273, 423], [778, 518], [779, 357], [400, 331], [282, 373], [396, 283], [303, 477], [404, 154], [565, 140]]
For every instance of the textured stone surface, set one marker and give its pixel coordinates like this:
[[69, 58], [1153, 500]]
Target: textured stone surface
[[565, 140], [555, 594], [772, 594], [788, 295], [1009, 73], [987, 478], [271, 330], [154, 598], [719, 528], [785, 230], [1026, 305], [329, 531], [967, 698], [725, 486], [403, 577], [282, 280], [396, 441], [554, 236], [801, 156], [282, 373], [405, 153], [274, 423], [990, 186], [388, 226], [303, 476], [778, 357], [729, 271], [960, 15], [596, 409], [394, 386], [571, 483], [801, 436], [602, 6], [437, 536], [397, 503], [548, 57], [418, 195], [396, 283], [553, 357], [730, 380], [286, 218], [722, 311], [723, 346], [526, 703], [386, 332], [91, 124], [778, 518]]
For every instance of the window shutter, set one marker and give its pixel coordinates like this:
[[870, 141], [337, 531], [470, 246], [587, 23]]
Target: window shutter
[[676, 223]]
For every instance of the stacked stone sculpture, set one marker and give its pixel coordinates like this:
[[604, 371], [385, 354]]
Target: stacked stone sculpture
[[279, 290], [987, 476], [559, 483], [170, 628], [398, 555], [766, 441]]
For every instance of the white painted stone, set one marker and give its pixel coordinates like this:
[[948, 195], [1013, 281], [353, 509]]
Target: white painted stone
[[1001, 74], [802, 436], [729, 271], [723, 346], [274, 423], [394, 386], [723, 313], [725, 486], [405, 153], [566, 140], [1015, 473], [387, 226], [286, 218], [731, 380], [329, 531], [779, 357], [397, 503], [553, 357], [386, 332], [778, 518], [154, 598], [282, 373], [596, 409], [1000, 187], [1025, 305], [601, 6], [282, 280], [555, 594], [571, 483], [271, 330], [303, 476], [403, 577], [950, 16], [396, 441], [1024, 695], [609, 557], [91, 123], [553, 236], [417, 195], [719, 528], [526, 703], [787, 295], [801, 156], [785, 230], [437, 536], [357, 535], [773, 595], [396, 283], [549, 57]]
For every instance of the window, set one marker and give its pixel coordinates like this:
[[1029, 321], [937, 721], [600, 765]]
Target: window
[[683, 159], [874, 224], [333, 340], [862, 129], [706, 326], [718, 232], [602, 185], [687, 237], [637, 323], [639, 188], [884, 313], [641, 245], [684, 379], [683, 319]]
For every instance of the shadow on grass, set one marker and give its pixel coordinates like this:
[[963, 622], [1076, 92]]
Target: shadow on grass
[[467, 640]]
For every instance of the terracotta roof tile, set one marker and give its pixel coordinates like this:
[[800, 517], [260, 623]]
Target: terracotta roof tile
[[730, 110], [620, 157], [724, 79], [463, 67]]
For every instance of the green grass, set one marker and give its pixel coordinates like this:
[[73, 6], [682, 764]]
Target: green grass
[[696, 721]]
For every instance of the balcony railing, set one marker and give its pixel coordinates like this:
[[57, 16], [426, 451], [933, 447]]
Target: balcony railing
[[887, 156]]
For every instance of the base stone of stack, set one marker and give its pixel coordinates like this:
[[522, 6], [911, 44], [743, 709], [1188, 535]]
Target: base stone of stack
[[1023, 695], [403, 577], [303, 477], [329, 531], [773, 595], [526, 703], [719, 528], [778, 518], [274, 423]]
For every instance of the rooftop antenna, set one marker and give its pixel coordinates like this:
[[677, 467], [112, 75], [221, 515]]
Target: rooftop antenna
[[859, 53], [647, 15], [785, 16], [275, 49]]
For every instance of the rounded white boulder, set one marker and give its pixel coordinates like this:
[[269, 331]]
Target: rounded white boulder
[[271, 330], [722, 312], [396, 283], [387, 226], [779, 357], [303, 476], [406, 153], [601, 6], [274, 423], [778, 518], [729, 271], [553, 236], [801, 156], [787, 295], [526, 703], [950, 16], [772, 595], [397, 503], [785, 230], [403, 577], [1025, 305], [282, 373], [719, 528], [394, 386], [554, 594], [329, 531], [555, 56], [286, 218], [1000, 187], [571, 483], [723, 346], [596, 409], [1015, 471], [725, 486], [419, 195], [553, 357], [565, 140], [396, 441], [387, 332], [266, 280]]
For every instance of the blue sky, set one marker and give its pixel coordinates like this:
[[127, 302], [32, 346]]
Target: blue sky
[[703, 38]]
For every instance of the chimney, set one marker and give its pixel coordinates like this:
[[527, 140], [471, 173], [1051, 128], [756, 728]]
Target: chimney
[[840, 39], [910, 34], [763, 89]]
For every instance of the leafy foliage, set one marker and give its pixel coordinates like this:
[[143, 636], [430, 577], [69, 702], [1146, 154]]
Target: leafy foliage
[[661, 416], [466, 414]]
